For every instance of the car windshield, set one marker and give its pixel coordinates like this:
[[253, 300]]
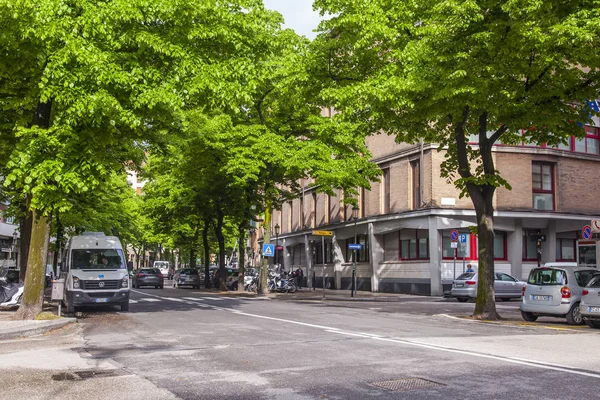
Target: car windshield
[[583, 277], [97, 259], [149, 271], [161, 264], [189, 272], [465, 276], [547, 276]]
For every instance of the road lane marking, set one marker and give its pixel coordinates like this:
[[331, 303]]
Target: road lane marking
[[212, 298], [150, 300], [132, 301], [192, 298], [349, 334]]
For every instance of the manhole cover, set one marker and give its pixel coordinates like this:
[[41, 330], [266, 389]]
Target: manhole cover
[[406, 384], [88, 374]]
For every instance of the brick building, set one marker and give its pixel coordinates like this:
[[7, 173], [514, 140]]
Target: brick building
[[404, 221]]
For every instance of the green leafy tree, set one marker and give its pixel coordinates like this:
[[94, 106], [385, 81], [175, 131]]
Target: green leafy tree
[[86, 84], [504, 71]]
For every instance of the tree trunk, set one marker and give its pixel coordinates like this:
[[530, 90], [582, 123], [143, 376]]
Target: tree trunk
[[33, 296], [221, 241], [26, 225], [241, 254], [482, 195], [192, 257], [485, 308], [264, 270], [207, 281]]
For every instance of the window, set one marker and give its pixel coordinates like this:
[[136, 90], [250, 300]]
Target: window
[[547, 276], [386, 192], [361, 255], [500, 246], [543, 186], [529, 245], [415, 167], [291, 216], [472, 246], [448, 251], [415, 247], [319, 252], [565, 249]]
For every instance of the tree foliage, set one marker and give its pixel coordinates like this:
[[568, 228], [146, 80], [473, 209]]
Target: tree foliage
[[446, 71]]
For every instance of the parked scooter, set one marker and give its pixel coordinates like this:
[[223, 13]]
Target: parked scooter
[[10, 294]]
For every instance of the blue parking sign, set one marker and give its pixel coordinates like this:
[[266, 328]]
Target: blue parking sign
[[463, 238]]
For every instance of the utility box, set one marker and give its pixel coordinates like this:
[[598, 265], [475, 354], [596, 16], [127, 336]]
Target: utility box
[[58, 289]]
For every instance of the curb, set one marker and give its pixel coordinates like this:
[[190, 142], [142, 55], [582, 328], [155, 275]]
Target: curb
[[34, 328]]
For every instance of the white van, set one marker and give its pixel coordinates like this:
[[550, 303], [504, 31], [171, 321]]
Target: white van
[[163, 266], [95, 272]]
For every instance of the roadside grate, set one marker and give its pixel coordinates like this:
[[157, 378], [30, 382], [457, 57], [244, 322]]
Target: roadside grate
[[406, 384], [89, 374]]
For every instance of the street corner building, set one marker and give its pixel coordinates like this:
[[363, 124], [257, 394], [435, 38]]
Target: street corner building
[[404, 222]]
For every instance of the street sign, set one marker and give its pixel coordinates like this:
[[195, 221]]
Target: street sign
[[453, 245], [454, 235], [322, 233], [268, 250], [463, 238], [595, 225], [354, 246], [586, 232]]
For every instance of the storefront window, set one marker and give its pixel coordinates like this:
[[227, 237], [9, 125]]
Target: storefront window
[[414, 245]]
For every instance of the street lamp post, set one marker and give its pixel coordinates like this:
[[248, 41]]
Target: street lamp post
[[353, 288], [277, 246]]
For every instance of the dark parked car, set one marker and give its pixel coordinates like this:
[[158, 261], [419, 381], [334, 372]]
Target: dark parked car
[[148, 277], [187, 277]]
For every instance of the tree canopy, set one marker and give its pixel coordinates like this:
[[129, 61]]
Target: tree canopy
[[446, 71]]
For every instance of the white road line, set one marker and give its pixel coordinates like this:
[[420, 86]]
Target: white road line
[[151, 300], [174, 299], [529, 363], [132, 301], [212, 298], [349, 334], [192, 298]]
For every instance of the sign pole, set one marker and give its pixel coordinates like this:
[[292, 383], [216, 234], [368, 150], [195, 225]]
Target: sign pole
[[455, 251], [323, 244]]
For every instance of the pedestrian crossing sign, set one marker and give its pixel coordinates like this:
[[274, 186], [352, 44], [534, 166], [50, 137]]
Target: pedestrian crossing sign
[[268, 250]]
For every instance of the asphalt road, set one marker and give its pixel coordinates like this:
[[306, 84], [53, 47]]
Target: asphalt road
[[183, 343]]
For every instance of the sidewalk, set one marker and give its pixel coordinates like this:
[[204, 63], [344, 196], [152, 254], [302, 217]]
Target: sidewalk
[[12, 329], [344, 295]]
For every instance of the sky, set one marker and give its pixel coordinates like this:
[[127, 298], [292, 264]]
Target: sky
[[298, 15]]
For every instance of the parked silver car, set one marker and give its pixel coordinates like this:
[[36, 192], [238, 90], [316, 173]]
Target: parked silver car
[[590, 302], [555, 290], [506, 287]]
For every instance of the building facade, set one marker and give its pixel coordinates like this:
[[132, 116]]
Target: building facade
[[404, 221]]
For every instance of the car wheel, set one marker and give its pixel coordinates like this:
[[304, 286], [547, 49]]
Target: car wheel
[[574, 315], [162, 286], [156, 287], [125, 307], [529, 317], [462, 299], [592, 323]]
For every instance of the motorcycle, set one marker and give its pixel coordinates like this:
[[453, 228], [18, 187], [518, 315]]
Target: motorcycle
[[277, 284], [253, 285], [10, 294]]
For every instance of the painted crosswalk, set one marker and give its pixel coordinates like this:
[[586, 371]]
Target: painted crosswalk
[[150, 299]]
